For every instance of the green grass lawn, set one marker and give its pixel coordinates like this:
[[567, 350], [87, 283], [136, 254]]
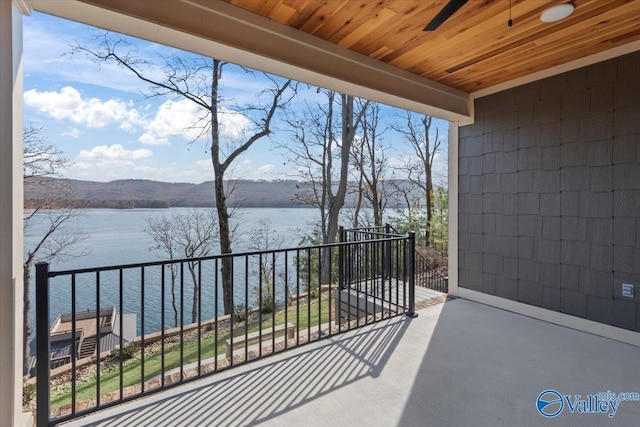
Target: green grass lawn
[[309, 315]]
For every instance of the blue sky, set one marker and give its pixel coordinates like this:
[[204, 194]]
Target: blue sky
[[99, 116]]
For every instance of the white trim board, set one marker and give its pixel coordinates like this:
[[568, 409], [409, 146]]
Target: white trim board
[[561, 319], [452, 267]]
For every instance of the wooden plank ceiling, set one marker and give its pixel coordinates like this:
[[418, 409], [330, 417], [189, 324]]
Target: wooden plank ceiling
[[475, 48]]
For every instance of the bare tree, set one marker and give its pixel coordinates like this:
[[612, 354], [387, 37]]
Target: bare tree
[[265, 238], [403, 193], [370, 162], [350, 122], [40, 159], [190, 235], [199, 81], [321, 141], [195, 235], [53, 239], [419, 169], [161, 230], [311, 155]]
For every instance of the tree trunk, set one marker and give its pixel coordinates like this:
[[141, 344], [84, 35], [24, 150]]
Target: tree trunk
[[219, 169], [337, 202], [225, 244], [373, 182], [174, 274], [377, 208], [358, 208], [427, 158], [429, 206], [196, 287], [221, 197]]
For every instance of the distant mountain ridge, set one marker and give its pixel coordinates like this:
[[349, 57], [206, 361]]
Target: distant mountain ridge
[[144, 193], [243, 193]]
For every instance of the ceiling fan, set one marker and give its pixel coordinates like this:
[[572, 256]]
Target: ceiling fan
[[446, 12]]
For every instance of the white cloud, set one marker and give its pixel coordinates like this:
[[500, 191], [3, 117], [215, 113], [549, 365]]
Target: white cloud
[[173, 118], [185, 119], [248, 169], [68, 104], [265, 169], [82, 166], [203, 163], [133, 120], [74, 133], [233, 125], [396, 162], [106, 169], [114, 152]]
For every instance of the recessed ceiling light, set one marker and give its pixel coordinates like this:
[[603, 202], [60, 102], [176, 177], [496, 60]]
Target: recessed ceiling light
[[557, 12]]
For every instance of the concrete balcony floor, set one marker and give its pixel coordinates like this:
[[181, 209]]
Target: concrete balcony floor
[[458, 364]]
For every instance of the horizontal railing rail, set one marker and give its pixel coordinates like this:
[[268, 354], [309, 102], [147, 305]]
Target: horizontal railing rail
[[197, 316]]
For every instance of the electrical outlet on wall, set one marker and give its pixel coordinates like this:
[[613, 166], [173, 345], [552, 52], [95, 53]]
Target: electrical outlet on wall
[[628, 290]]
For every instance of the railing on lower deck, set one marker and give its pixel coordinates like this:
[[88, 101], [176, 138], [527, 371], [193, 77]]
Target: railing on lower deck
[[280, 299], [426, 275], [429, 277]]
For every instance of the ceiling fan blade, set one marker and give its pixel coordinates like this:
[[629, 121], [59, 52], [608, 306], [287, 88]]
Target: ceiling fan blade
[[446, 12]]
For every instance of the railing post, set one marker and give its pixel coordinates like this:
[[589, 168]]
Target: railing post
[[387, 255], [412, 274], [341, 263], [42, 344]]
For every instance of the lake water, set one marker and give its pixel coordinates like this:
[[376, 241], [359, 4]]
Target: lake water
[[117, 237]]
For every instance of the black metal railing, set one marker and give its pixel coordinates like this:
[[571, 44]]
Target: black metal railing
[[428, 277], [384, 277], [181, 328]]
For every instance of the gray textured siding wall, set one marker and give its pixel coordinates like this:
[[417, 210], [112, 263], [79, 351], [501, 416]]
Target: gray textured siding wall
[[549, 203]]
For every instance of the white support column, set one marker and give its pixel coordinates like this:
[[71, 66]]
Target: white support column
[[11, 92], [453, 207]]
